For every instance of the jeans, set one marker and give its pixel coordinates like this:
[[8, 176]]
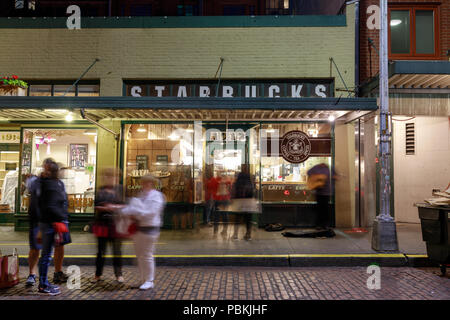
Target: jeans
[[48, 241], [209, 207], [117, 260]]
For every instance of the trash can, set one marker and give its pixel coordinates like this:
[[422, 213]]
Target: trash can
[[435, 223]]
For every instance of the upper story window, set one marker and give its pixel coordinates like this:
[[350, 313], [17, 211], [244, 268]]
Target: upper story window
[[47, 88], [414, 32]]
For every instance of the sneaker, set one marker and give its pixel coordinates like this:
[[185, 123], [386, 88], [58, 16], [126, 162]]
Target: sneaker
[[31, 281], [120, 279], [95, 279], [147, 285], [50, 290], [247, 237], [60, 277]]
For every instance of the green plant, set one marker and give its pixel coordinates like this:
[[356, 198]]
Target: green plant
[[13, 81]]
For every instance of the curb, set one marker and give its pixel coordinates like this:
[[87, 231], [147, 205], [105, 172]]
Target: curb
[[292, 260]]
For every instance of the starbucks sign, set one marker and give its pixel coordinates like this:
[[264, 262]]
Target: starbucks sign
[[295, 146]]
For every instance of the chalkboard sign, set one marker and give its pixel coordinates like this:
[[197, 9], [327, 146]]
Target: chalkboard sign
[[142, 162], [163, 159]]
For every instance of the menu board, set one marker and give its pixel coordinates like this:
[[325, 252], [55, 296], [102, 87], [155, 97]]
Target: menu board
[[142, 162]]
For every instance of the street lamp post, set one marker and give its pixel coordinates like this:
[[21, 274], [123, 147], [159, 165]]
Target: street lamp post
[[384, 235]]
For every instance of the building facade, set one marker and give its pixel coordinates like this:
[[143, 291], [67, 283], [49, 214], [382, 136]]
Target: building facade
[[419, 88], [186, 98]]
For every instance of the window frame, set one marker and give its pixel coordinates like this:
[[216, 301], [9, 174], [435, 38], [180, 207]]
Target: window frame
[[52, 85], [412, 55]]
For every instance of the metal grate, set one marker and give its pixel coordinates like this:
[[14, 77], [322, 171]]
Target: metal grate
[[410, 138]]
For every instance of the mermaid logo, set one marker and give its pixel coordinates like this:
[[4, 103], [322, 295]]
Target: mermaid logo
[[295, 146]]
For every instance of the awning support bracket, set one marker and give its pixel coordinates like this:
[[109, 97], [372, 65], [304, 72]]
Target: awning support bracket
[[85, 117]]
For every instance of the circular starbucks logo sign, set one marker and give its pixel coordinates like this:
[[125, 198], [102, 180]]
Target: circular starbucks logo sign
[[295, 146]]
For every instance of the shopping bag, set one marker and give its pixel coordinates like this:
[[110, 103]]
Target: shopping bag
[[124, 226], [316, 181], [9, 270], [245, 205]]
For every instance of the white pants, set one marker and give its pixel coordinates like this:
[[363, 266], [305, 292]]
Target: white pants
[[144, 245]]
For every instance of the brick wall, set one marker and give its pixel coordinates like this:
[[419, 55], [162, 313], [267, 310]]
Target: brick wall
[[367, 68], [179, 53]]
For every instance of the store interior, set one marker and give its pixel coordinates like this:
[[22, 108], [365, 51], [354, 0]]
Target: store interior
[[75, 151], [170, 152], [9, 166]]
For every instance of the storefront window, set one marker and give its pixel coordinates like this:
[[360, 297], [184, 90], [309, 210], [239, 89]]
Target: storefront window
[[9, 165], [165, 151], [75, 151], [86, 89], [281, 179]]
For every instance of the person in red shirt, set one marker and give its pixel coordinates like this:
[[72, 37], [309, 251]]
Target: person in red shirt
[[220, 188]]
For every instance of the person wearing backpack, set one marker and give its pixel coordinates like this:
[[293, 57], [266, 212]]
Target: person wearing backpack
[[53, 220], [33, 185]]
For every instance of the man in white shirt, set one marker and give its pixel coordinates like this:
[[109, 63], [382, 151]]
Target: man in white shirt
[[147, 210]]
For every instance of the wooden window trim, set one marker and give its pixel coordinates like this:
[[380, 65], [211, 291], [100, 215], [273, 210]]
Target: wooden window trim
[[412, 32]]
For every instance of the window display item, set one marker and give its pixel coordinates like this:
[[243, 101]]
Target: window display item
[[9, 189]]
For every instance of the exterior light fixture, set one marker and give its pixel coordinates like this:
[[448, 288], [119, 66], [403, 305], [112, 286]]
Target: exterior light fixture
[[69, 117]]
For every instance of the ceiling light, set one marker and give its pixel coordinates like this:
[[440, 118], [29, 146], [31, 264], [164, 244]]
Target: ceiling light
[[69, 117], [395, 22], [141, 128], [90, 133], [270, 129], [331, 118], [55, 110]]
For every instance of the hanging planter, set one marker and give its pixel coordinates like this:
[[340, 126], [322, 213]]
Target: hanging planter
[[12, 85]]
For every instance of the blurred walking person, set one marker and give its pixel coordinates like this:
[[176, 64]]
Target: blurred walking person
[[53, 221], [243, 192], [220, 187], [319, 180], [104, 228], [147, 210]]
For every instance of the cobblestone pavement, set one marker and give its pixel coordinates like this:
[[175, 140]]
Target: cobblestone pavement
[[251, 283]]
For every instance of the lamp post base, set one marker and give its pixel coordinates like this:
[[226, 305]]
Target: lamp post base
[[384, 235]]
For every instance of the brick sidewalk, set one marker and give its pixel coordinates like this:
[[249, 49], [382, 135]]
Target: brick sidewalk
[[245, 283]]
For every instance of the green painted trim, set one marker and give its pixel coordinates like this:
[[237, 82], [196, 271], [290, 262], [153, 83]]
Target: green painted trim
[[433, 67], [178, 22], [168, 103], [419, 67]]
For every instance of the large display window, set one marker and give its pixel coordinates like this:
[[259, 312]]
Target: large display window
[[74, 150], [281, 179], [184, 158], [164, 150], [9, 170]]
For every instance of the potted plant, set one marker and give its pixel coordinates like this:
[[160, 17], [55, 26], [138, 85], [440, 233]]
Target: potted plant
[[12, 85]]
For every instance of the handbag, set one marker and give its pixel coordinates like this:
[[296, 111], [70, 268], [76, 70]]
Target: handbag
[[9, 270], [250, 205], [124, 226], [316, 181], [100, 230]]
